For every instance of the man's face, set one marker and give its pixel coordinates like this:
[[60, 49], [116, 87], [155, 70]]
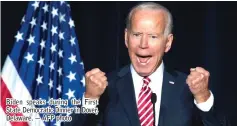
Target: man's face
[[146, 41]]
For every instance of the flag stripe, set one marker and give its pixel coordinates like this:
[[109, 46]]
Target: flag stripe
[[7, 94], [3, 121], [18, 90], [45, 61]]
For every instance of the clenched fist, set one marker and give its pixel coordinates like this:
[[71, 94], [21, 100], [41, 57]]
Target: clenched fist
[[96, 82], [197, 81]]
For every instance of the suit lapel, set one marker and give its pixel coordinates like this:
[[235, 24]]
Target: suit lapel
[[127, 95], [168, 87]]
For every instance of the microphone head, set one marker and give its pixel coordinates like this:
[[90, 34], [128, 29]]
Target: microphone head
[[153, 98]]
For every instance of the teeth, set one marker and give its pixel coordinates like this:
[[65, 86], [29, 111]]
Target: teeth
[[143, 63]]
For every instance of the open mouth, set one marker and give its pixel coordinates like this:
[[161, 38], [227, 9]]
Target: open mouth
[[143, 59]]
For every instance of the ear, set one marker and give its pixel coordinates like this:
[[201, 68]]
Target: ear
[[169, 42], [126, 37]]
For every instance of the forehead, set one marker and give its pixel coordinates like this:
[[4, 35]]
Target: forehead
[[154, 17]]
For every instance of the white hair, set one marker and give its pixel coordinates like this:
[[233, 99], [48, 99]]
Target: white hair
[[152, 6]]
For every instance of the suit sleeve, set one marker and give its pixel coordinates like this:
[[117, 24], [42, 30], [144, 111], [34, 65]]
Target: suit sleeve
[[213, 117]]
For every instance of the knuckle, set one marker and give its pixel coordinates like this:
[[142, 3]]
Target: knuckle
[[101, 74], [106, 83], [104, 78], [187, 81], [96, 69], [91, 78], [208, 73], [87, 74], [95, 81], [199, 68]]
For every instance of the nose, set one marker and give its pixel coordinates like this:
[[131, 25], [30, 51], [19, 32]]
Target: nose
[[144, 42]]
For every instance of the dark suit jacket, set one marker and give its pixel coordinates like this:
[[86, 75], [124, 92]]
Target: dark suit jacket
[[118, 105]]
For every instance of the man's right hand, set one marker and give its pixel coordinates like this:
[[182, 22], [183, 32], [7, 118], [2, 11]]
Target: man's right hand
[[96, 82]]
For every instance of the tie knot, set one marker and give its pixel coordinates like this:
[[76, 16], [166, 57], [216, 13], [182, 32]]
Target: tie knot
[[146, 80]]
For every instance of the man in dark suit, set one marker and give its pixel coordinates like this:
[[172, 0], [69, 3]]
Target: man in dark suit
[[147, 92]]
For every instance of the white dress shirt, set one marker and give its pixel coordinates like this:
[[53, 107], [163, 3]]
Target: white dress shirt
[[156, 87]]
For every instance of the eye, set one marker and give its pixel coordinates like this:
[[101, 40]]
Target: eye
[[153, 36], [136, 34]]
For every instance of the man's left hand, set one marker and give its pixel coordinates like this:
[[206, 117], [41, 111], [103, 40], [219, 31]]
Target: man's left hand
[[197, 81]]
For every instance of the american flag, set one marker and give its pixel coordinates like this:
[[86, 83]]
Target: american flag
[[44, 62]]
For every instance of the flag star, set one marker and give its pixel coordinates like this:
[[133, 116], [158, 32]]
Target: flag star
[[31, 39], [61, 35], [39, 80], [72, 41], [46, 8], [72, 58], [19, 36], [83, 81], [68, 5], [54, 12], [41, 61], [60, 71], [82, 65], [33, 22], [71, 23], [51, 66], [70, 93], [61, 17], [35, 5], [53, 47], [23, 19], [42, 44], [59, 88], [60, 53], [44, 26], [71, 76], [61, 2], [29, 57], [54, 30], [50, 84]]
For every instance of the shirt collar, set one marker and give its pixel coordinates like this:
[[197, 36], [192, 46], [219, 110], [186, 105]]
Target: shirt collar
[[155, 74]]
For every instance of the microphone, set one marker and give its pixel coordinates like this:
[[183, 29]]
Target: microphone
[[153, 101]]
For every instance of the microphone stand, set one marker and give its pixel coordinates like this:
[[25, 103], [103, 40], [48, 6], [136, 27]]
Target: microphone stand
[[153, 100]]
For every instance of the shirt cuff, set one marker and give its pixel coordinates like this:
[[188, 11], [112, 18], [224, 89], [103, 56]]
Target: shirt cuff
[[89, 103], [205, 106]]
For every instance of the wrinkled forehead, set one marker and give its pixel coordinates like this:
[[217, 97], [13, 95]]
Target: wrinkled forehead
[[157, 17]]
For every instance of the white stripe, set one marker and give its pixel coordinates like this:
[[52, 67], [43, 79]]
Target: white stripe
[[144, 98], [3, 119], [147, 81], [143, 107], [18, 90], [143, 92], [149, 124], [146, 112], [147, 118]]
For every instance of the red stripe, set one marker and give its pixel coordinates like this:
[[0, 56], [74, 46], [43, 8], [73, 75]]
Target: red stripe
[[145, 109], [6, 94]]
